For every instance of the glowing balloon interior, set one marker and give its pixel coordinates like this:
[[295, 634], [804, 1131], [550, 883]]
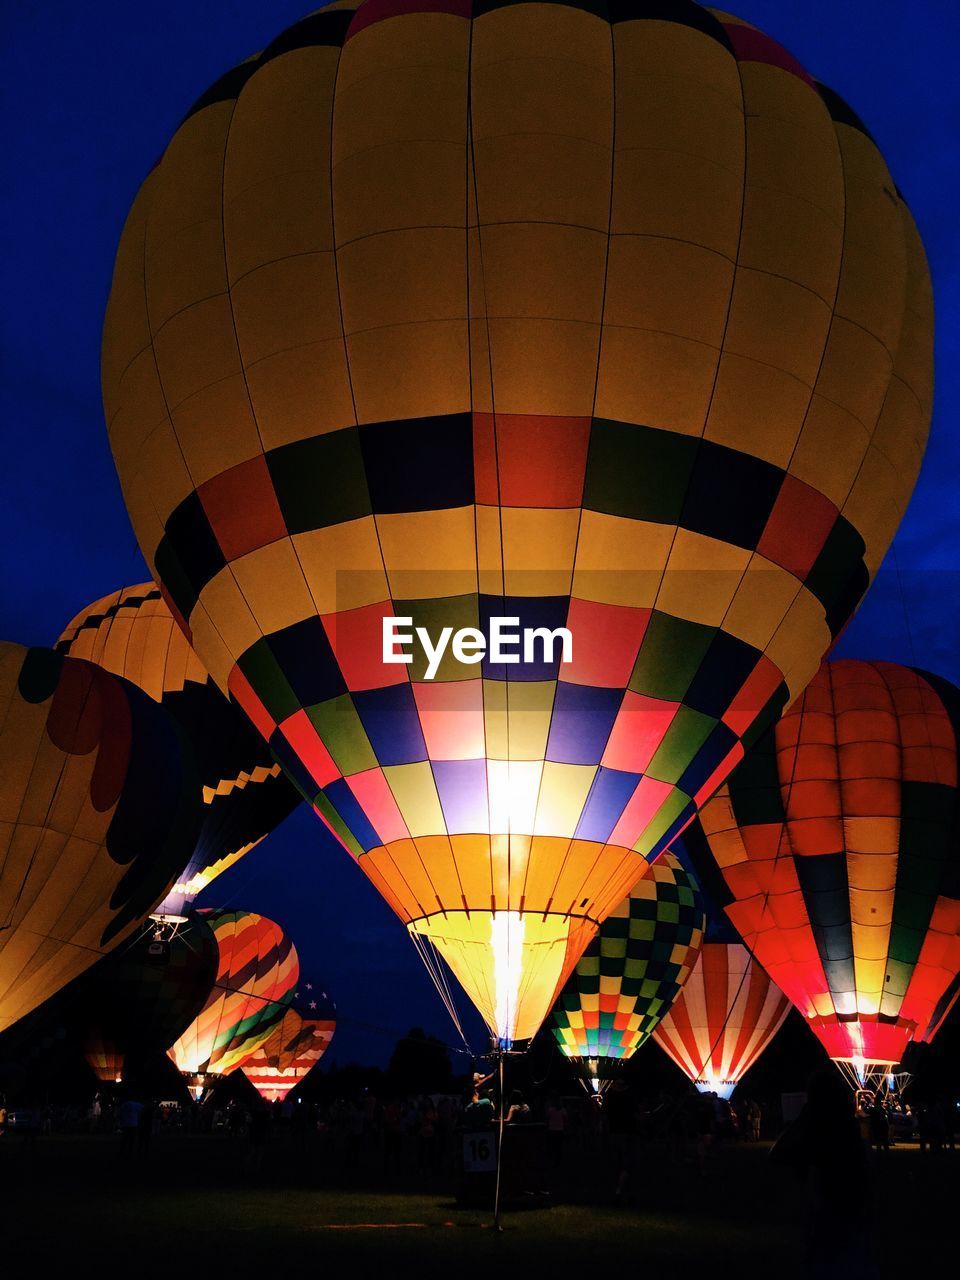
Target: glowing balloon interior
[[726, 1015]]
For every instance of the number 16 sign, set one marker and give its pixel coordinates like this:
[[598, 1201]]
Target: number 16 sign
[[479, 1153]]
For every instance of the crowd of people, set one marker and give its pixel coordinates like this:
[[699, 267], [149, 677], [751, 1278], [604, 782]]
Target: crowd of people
[[886, 1118], [422, 1133]]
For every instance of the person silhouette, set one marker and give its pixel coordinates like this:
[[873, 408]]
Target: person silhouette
[[824, 1147]]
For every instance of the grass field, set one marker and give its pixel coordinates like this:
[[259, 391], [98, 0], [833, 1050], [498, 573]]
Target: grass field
[[73, 1202]]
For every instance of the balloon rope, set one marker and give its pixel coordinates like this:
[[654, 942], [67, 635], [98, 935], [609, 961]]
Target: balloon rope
[[434, 966], [733, 1005], [496, 1195]]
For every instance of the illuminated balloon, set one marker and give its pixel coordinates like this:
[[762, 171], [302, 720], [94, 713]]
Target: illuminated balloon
[[726, 1015], [257, 974], [144, 995], [98, 808], [132, 634], [631, 972], [839, 864], [295, 1046], [607, 322]]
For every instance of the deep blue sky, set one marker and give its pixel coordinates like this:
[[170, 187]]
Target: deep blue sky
[[90, 94]]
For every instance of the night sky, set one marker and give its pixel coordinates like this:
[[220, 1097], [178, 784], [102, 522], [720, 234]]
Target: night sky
[[90, 95]]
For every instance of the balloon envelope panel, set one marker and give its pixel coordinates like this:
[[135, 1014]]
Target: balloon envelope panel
[[133, 634], [98, 810], [607, 321]]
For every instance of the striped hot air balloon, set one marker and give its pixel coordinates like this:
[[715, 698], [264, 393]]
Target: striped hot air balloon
[[257, 975], [606, 320], [132, 633], [295, 1045], [726, 1015], [631, 972], [835, 851]]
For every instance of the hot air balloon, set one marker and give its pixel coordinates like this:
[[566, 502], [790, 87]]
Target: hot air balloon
[[98, 807], [144, 995], [132, 634], [257, 974], [512, 405], [836, 843], [726, 1015], [631, 972], [295, 1046]]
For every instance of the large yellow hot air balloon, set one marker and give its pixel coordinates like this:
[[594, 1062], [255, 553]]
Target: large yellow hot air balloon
[[98, 806], [612, 325], [244, 795]]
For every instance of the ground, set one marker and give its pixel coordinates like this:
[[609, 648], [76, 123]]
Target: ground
[[193, 1202]]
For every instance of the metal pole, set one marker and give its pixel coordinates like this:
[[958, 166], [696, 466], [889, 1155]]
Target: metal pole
[[496, 1198]]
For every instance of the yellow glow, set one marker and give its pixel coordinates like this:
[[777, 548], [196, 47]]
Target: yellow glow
[[509, 963], [190, 888], [226, 785], [506, 939], [547, 893], [183, 892], [188, 1063], [844, 1002], [822, 1005], [513, 789]]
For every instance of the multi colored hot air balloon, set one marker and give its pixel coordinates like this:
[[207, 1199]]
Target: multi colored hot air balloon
[[631, 972], [98, 808], [144, 995], [839, 860], [132, 634], [726, 1015], [534, 318], [295, 1046], [257, 975]]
